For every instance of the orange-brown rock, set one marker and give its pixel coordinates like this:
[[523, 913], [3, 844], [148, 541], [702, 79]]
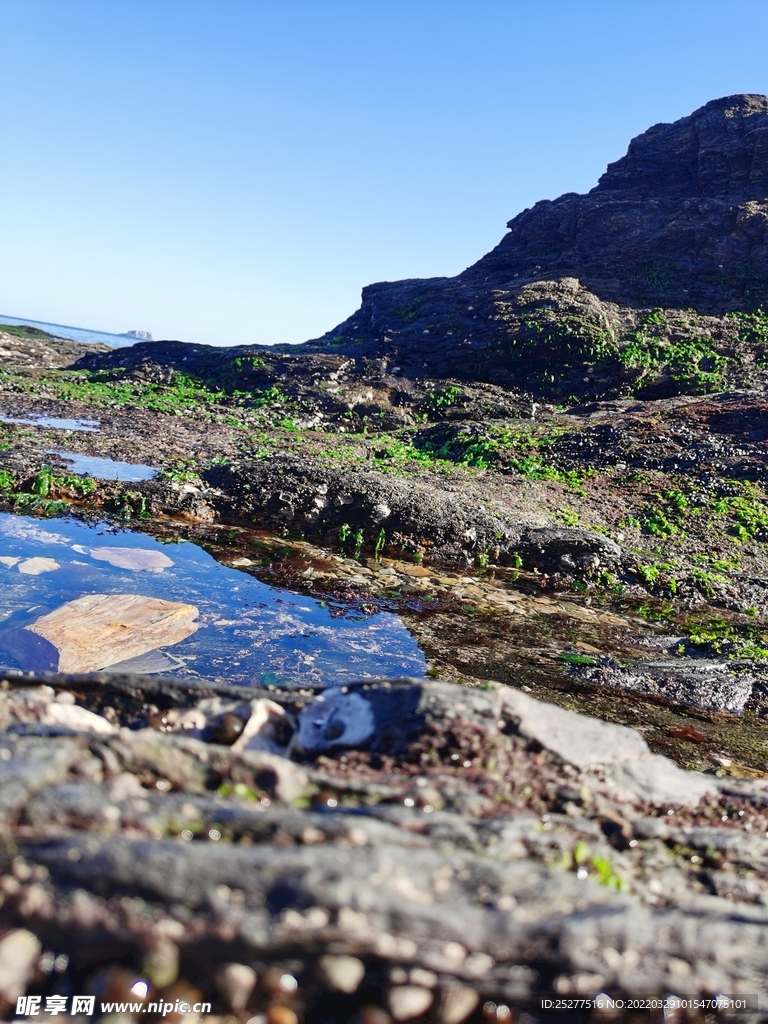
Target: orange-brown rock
[[98, 630]]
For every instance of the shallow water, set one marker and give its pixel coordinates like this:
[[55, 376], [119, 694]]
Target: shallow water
[[37, 420], [104, 469], [248, 631]]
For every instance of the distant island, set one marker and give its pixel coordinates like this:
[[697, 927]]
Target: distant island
[[141, 335]]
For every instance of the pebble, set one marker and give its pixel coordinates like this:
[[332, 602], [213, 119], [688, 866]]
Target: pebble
[[457, 1003], [408, 1001], [342, 973], [236, 982], [72, 716], [422, 977], [279, 1014], [228, 729], [19, 952]]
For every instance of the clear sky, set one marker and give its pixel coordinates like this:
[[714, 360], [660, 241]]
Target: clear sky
[[234, 171]]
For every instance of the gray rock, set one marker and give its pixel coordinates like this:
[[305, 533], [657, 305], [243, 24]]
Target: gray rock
[[469, 916], [27, 765], [580, 740], [495, 903], [568, 550], [657, 780], [708, 683], [587, 742]]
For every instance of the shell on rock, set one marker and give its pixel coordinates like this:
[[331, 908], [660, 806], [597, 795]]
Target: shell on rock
[[335, 719]]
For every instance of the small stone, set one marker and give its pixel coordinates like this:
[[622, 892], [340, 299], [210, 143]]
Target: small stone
[[72, 716], [236, 982], [422, 977], [456, 1004], [21, 869], [36, 566], [161, 964], [228, 729], [408, 1001], [262, 731], [278, 1014], [342, 973], [19, 953], [137, 559], [125, 786]]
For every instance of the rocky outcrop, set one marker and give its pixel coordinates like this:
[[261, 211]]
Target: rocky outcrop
[[680, 222], [565, 305], [424, 518], [30, 347]]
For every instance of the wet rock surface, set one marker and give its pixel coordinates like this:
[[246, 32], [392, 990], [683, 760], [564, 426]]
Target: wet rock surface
[[478, 842]]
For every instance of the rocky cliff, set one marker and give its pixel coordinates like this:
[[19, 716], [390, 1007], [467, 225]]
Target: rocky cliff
[[679, 223]]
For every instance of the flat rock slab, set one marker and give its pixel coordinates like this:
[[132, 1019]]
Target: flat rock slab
[[588, 742], [581, 741], [37, 565], [99, 630], [137, 559], [718, 685]]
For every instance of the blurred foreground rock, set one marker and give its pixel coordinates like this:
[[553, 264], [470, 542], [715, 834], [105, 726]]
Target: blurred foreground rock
[[475, 845]]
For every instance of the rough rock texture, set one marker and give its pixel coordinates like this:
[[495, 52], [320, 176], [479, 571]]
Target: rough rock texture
[[680, 222], [480, 840], [34, 348], [724, 685], [304, 495]]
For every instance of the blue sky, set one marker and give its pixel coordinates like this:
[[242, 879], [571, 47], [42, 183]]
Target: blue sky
[[234, 171]]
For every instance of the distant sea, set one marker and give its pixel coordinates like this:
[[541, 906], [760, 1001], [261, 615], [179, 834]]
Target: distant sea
[[71, 333]]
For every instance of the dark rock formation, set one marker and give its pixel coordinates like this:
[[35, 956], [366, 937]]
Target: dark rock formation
[[679, 222]]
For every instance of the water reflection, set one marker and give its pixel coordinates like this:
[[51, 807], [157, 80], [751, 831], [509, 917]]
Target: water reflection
[[104, 469], [82, 597], [57, 423]]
